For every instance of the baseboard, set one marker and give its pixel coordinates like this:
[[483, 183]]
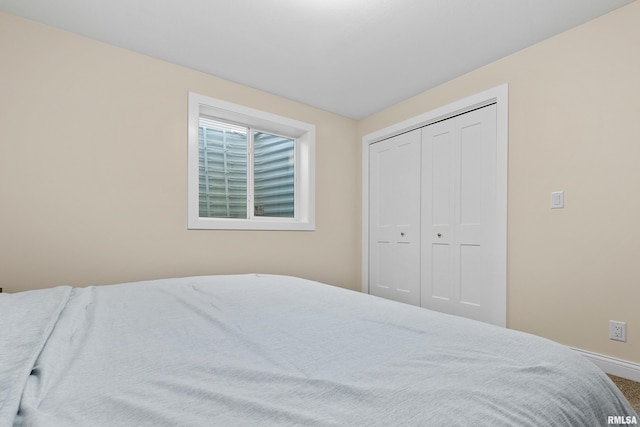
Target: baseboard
[[611, 365]]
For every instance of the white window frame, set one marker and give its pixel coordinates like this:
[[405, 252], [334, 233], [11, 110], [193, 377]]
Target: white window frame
[[304, 135]]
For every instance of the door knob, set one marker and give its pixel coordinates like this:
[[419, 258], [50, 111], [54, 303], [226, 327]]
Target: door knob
[[402, 233], [439, 235]]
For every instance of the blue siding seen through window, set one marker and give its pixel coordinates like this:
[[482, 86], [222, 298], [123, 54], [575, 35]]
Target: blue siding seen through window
[[273, 175], [223, 172]]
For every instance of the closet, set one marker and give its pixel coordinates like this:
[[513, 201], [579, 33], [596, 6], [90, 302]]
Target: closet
[[435, 237]]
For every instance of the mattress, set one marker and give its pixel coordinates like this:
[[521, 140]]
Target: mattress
[[276, 350]]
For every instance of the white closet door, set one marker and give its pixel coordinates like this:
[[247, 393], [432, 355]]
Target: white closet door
[[459, 227], [438, 188], [395, 218]]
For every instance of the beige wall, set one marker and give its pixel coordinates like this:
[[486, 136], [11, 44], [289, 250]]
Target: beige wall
[[93, 172], [574, 125]]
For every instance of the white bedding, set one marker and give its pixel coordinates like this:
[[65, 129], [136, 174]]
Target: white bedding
[[259, 350]]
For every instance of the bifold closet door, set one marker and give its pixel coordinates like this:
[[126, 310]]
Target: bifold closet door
[[458, 218], [394, 231]]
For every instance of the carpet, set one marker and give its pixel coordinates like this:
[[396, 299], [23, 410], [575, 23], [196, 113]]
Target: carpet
[[630, 389]]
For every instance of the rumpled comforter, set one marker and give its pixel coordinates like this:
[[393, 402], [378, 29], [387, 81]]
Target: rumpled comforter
[[251, 350]]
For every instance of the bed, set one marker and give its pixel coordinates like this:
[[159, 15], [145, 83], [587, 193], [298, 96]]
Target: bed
[[260, 350]]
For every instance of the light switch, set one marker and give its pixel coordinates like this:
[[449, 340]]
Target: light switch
[[557, 200]]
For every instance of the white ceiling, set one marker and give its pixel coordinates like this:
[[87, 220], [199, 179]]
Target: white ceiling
[[352, 57]]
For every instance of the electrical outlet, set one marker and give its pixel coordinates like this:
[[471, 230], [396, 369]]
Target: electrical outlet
[[617, 331]]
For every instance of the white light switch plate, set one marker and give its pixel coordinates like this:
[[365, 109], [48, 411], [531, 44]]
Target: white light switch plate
[[557, 200]]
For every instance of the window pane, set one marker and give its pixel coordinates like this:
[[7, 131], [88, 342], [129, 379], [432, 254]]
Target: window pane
[[274, 176], [223, 170]]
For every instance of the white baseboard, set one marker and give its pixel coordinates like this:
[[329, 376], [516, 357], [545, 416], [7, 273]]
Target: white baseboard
[[611, 365]]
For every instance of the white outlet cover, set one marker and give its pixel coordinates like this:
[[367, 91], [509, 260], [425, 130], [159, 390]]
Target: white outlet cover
[[617, 331]]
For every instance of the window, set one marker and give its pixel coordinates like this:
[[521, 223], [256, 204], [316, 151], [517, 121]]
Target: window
[[226, 167], [248, 169]]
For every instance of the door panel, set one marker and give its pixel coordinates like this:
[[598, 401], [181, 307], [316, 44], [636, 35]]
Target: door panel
[[471, 275], [440, 280], [438, 166], [394, 233], [437, 216], [459, 212], [471, 178]]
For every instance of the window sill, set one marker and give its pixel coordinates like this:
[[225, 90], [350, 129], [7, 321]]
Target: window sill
[[250, 224]]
